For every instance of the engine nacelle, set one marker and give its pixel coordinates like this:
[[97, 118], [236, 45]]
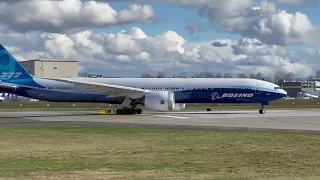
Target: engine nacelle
[[179, 106], [159, 101]]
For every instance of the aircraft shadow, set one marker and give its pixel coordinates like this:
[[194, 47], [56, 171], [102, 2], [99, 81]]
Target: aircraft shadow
[[47, 115], [66, 115], [201, 113], [144, 114]]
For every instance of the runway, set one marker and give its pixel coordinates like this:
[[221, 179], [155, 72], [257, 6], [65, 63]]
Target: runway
[[277, 121]]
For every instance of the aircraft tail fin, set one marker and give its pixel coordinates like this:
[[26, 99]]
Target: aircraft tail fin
[[11, 69]]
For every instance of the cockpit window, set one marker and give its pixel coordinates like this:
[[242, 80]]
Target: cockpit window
[[276, 88]]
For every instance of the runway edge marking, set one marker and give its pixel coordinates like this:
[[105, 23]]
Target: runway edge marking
[[175, 117]]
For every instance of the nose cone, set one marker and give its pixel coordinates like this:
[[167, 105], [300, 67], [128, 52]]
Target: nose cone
[[283, 93]]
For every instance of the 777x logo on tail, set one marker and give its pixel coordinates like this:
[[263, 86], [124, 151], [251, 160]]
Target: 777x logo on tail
[[10, 74], [215, 95]]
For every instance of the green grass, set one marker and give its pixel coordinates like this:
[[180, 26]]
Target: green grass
[[133, 153]]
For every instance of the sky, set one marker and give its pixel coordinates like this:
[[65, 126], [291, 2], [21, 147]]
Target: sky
[[133, 37]]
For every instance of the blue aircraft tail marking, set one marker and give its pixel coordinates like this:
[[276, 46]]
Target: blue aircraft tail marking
[[11, 71]]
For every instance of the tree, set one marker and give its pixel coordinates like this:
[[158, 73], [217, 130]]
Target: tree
[[318, 74], [310, 78], [259, 75], [256, 76], [197, 75], [280, 77], [218, 75], [288, 76], [147, 76], [227, 75], [268, 79], [252, 76], [207, 75], [210, 75], [161, 75], [242, 75], [204, 75], [182, 75]]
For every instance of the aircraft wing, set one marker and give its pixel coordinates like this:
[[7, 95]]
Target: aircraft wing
[[109, 89]]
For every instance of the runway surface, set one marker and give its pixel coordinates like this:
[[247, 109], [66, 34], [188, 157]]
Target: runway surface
[[279, 121]]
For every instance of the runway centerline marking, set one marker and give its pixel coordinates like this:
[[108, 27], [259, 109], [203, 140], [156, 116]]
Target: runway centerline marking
[[168, 116]]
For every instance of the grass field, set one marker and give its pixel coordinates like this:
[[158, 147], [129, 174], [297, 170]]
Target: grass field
[[124, 153], [281, 104]]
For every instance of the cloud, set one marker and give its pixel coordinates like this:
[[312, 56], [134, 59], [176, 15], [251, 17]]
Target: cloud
[[254, 47], [266, 23], [131, 53], [219, 44], [59, 45], [266, 58], [262, 20], [308, 56], [297, 2], [194, 26], [264, 30], [66, 15]]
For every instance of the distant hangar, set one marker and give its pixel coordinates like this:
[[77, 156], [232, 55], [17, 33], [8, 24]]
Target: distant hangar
[[46, 69], [51, 68]]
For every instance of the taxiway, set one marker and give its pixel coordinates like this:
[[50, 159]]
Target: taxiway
[[278, 121]]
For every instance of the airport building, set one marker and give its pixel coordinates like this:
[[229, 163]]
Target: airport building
[[292, 87], [295, 87], [51, 68], [46, 69]]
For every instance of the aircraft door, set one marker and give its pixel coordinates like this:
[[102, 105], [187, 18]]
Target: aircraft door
[[188, 88], [258, 90]]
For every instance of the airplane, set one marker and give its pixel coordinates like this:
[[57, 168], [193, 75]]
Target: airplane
[[155, 94], [305, 95]]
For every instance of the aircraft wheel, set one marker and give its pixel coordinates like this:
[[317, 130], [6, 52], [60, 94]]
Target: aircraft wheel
[[119, 111], [262, 111], [139, 111], [126, 111], [133, 111]]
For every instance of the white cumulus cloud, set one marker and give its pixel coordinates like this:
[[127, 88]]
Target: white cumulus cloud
[[132, 53], [261, 20], [267, 23], [66, 15], [297, 2]]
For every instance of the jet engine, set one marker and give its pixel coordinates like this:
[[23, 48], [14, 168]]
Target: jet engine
[[159, 101]]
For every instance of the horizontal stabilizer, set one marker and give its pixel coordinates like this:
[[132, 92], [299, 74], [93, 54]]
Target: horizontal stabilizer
[[8, 85]]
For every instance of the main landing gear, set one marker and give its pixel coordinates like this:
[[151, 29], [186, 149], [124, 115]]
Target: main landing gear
[[127, 110], [129, 107]]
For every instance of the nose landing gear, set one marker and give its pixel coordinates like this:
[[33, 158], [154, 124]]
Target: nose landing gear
[[262, 111]]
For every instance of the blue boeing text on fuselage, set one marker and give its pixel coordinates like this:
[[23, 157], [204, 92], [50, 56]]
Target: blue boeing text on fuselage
[[15, 79]]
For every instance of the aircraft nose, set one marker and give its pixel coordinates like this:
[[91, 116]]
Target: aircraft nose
[[283, 92]]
